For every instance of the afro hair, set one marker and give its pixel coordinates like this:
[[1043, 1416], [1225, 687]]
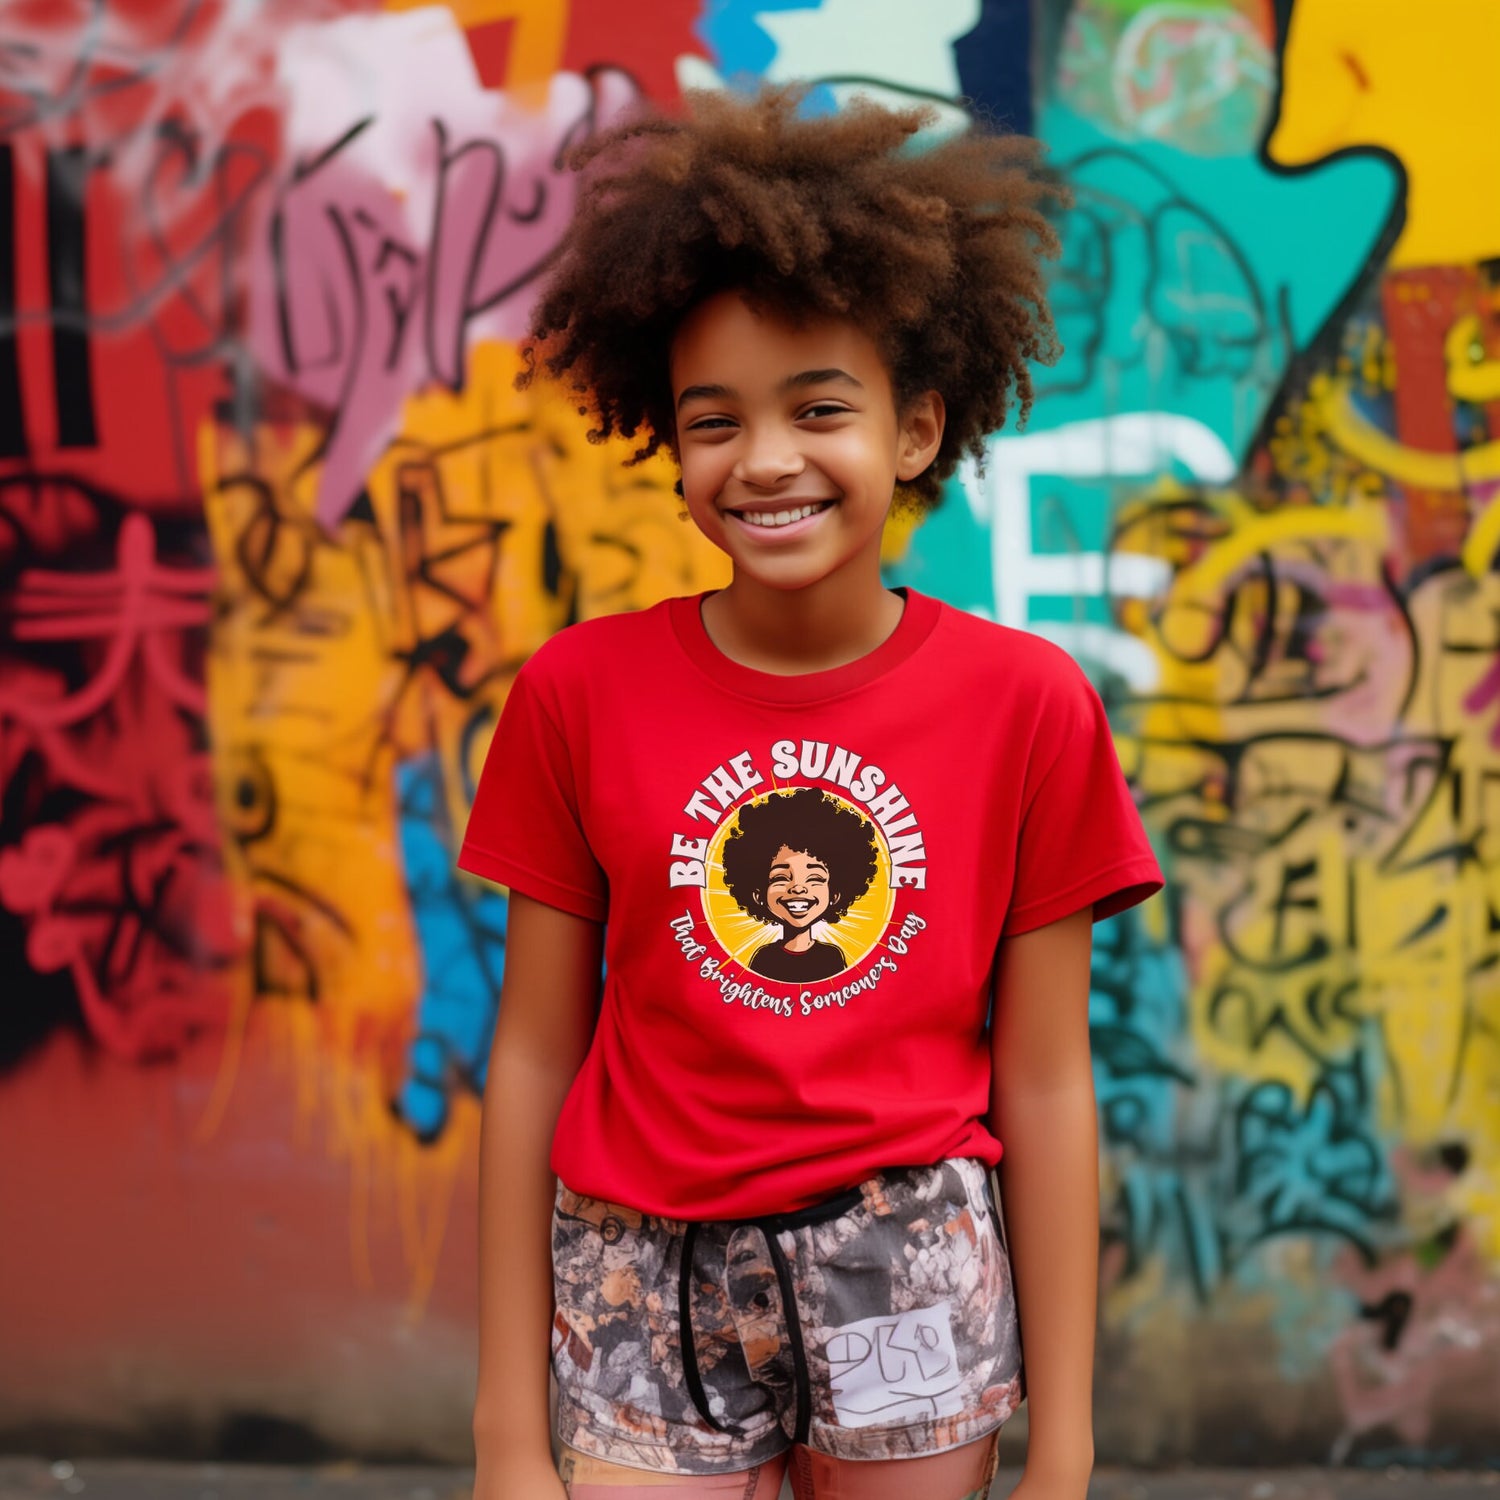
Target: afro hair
[[810, 822], [936, 251]]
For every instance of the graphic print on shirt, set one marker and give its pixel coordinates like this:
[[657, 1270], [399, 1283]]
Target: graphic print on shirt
[[799, 886], [799, 877]]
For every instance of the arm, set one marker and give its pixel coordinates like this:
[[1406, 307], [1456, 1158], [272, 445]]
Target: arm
[[1042, 1109], [548, 1002]]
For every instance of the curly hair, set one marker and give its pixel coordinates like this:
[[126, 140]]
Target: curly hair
[[810, 822], [937, 253]]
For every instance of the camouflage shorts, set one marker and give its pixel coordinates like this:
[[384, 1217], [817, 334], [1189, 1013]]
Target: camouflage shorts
[[880, 1324]]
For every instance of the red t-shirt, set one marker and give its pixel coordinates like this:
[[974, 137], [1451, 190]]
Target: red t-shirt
[[805, 880]]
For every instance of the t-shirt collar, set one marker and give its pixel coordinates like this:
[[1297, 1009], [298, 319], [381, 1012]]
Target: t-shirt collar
[[915, 625]]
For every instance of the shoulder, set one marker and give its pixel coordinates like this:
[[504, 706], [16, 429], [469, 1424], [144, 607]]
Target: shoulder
[[990, 657], [592, 651]]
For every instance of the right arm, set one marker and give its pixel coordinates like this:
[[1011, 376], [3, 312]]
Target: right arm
[[548, 1001]]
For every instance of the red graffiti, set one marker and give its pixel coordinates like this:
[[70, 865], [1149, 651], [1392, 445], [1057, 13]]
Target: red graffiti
[[118, 875]]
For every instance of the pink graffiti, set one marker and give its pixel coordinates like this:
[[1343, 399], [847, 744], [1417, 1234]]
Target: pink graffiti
[[1430, 1323], [418, 214], [1483, 695]]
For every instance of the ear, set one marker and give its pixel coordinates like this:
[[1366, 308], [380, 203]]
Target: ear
[[921, 435], [758, 898]]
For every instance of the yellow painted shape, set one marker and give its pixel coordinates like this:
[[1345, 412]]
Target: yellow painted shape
[[1472, 374], [901, 526], [1416, 81], [1415, 467], [1480, 544], [297, 688], [1405, 938], [1265, 533], [485, 497], [498, 486], [536, 45]]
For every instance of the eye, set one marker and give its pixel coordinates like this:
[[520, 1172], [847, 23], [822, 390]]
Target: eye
[[824, 409], [710, 424]]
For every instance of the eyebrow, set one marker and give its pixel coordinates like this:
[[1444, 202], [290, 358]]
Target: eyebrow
[[830, 376], [813, 864]]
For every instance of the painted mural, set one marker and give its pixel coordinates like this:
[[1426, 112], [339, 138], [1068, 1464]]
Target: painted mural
[[276, 531]]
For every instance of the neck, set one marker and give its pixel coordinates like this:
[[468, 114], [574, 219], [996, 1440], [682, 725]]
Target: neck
[[790, 631]]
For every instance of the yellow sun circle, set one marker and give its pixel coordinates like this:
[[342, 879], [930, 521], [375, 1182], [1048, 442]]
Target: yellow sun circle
[[741, 934]]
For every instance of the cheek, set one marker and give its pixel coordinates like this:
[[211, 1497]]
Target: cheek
[[869, 450], [705, 469]]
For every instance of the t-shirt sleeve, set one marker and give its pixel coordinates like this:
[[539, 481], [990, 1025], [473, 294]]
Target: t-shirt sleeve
[[524, 830], [1082, 843]]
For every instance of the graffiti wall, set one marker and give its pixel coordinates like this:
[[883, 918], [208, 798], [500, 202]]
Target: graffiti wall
[[276, 531]]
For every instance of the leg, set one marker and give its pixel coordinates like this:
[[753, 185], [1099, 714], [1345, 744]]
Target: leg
[[588, 1478], [959, 1474]]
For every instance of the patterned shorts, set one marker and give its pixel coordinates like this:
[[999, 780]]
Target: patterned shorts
[[879, 1324]]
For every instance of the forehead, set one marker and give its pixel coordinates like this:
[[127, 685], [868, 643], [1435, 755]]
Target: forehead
[[788, 856], [724, 341]]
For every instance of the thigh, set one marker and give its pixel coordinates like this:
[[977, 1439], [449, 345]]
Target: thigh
[[964, 1473], [910, 1325], [589, 1478]]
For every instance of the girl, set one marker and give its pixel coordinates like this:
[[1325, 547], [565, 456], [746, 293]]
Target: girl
[[773, 1240], [799, 859]]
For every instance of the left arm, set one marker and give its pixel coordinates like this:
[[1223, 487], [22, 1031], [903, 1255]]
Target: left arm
[[1042, 1109]]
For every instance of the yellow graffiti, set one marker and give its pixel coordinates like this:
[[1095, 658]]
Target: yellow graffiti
[[1265, 533], [491, 522], [1322, 803], [1381, 74], [1387, 456], [1331, 409], [1473, 375]]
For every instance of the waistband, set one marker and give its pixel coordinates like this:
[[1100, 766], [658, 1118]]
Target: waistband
[[820, 1212]]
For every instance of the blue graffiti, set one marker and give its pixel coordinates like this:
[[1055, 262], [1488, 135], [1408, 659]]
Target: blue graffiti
[[743, 49], [461, 933], [1313, 1167]]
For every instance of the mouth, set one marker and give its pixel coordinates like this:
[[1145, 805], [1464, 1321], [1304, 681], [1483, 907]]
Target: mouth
[[797, 908], [780, 520]]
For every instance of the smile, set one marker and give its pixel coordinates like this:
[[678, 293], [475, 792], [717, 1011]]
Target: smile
[[770, 520], [798, 908]]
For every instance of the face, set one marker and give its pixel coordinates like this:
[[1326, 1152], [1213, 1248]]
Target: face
[[789, 440], [797, 891]]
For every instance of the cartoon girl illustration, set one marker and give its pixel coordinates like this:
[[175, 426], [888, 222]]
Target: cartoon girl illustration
[[798, 858]]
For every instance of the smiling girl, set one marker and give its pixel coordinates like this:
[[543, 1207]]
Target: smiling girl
[[799, 858], [749, 1207]]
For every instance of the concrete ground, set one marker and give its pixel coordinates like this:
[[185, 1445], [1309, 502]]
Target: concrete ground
[[26, 1479]]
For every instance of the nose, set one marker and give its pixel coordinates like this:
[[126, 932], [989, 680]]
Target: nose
[[768, 459]]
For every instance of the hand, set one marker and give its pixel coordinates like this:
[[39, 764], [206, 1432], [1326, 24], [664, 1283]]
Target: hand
[[526, 1479]]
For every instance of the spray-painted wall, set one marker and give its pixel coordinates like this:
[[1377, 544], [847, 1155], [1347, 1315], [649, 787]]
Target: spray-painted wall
[[276, 530]]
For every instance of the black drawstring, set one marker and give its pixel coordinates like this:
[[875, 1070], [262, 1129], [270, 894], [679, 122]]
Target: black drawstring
[[794, 1332], [770, 1227], [685, 1332]]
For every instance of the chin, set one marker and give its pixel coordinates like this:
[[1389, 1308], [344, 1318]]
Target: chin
[[789, 577]]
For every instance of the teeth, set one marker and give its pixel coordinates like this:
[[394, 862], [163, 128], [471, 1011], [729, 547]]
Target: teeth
[[780, 517]]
